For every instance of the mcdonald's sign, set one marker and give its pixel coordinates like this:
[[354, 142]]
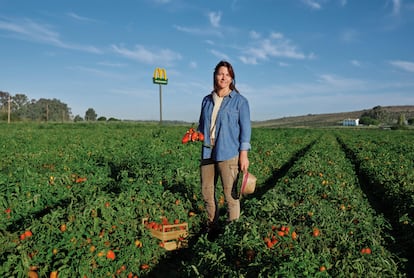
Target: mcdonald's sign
[[160, 76]]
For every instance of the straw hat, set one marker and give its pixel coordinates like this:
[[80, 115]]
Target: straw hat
[[248, 184]]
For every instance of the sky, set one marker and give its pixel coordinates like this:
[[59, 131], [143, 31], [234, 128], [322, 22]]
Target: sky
[[290, 57]]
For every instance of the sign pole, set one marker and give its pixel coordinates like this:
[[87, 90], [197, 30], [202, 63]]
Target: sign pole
[[160, 104], [160, 78], [8, 110]]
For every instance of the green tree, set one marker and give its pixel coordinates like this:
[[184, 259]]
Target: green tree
[[78, 119], [20, 106], [90, 115], [401, 119], [401, 123], [35, 110], [4, 99], [48, 110], [366, 120], [377, 113]]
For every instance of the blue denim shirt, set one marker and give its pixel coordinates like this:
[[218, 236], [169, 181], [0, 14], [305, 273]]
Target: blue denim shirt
[[233, 127]]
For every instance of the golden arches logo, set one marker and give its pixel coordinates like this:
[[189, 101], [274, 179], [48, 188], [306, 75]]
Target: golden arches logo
[[160, 76]]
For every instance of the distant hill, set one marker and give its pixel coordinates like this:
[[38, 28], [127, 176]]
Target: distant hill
[[333, 119]]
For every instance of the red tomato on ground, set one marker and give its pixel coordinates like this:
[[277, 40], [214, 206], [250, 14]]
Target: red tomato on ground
[[110, 255], [366, 250]]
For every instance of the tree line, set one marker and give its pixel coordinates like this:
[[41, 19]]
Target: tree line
[[18, 107], [380, 115]]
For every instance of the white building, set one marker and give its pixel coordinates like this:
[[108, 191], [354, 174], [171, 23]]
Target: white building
[[350, 122]]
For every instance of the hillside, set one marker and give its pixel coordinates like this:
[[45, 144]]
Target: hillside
[[333, 119]]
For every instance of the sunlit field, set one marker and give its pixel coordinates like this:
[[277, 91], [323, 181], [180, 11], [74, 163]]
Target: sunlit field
[[328, 202]]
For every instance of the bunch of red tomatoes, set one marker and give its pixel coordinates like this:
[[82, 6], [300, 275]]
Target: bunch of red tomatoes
[[192, 135]]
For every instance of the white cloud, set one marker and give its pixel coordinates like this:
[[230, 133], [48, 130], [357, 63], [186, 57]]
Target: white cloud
[[283, 64], [356, 63], [330, 93], [98, 72], [188, 29], [407, 66], [317, 4], [79, 18], [276, 45], [340, 82], [214, 18], [276, 36], [312, 4], [199, 31], [161, 1], [396, 7], [254, 35], [26, 29], [312, 56], [248, 60], [349, 35], [220, 55], [193, 65], [109, 64], [141, 54]]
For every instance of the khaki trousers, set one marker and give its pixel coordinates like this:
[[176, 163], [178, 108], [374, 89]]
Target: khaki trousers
[[228, 172]]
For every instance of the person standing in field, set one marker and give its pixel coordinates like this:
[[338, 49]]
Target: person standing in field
[[225, 122]]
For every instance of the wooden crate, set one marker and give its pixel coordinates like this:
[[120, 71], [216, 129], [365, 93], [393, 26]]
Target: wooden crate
[[175, 244], [172, 236]]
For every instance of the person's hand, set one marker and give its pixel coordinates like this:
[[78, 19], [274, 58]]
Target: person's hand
[[243, 161]]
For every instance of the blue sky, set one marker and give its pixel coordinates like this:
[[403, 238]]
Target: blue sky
[[291, 57]]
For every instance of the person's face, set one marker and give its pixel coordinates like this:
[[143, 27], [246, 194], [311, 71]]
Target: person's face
[[223, 78]]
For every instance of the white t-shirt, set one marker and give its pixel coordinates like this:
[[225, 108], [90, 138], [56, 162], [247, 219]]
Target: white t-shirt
[[217, 103]]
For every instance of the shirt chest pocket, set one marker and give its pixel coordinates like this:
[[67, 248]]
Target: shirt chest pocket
[[231, 116]]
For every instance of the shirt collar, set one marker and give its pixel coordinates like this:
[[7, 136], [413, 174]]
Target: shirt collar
[[230, 95]]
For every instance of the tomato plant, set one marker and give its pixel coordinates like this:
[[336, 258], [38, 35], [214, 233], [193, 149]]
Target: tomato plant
[[74, 196]]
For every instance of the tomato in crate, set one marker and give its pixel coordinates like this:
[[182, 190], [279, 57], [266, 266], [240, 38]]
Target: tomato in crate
[[172, 236]]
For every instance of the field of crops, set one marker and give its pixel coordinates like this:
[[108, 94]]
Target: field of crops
[[328, 203]]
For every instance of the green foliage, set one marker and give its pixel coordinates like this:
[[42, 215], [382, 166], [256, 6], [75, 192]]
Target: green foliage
[[21, 109], [99, 181], [319, 191], [90, 115], [399, 127], [377, 113], [366, 120], [401, 119], [401, 123], [78, 119]]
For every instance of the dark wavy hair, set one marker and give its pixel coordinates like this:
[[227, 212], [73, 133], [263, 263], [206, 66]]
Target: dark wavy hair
[[231, 72]]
